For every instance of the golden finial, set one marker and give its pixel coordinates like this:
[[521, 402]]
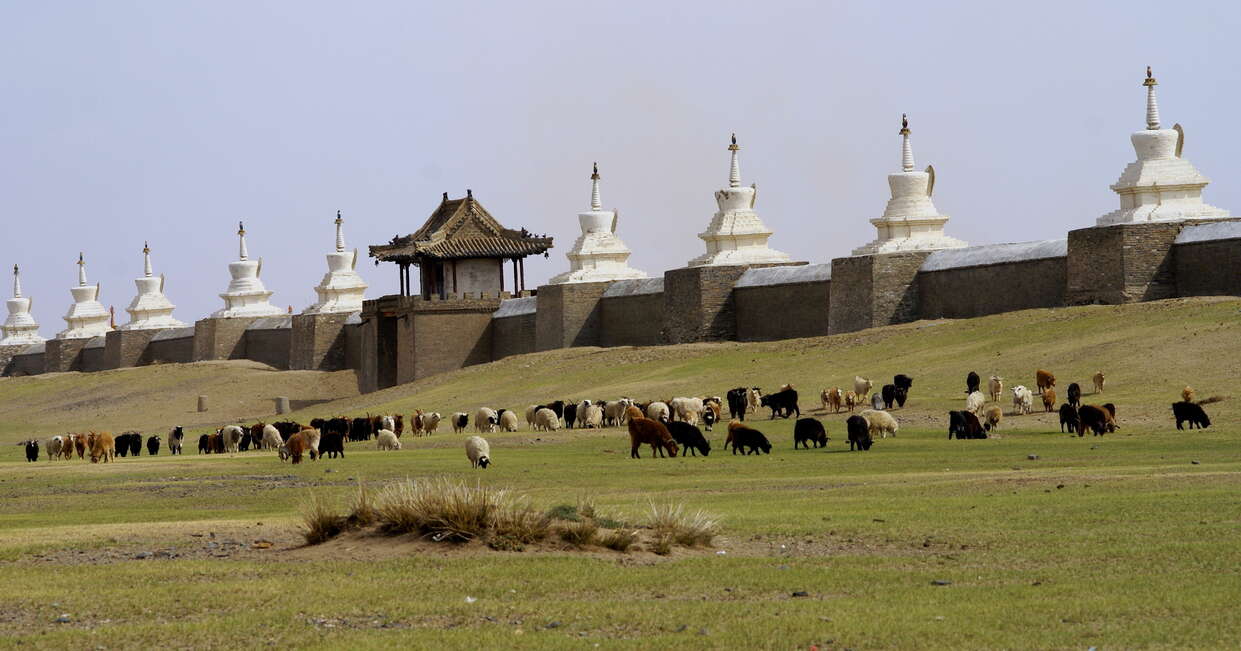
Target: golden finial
[[904, 125], [733, 146], [81, 259], [595, 175], [241, 228], [146, 247], [1150, 79]]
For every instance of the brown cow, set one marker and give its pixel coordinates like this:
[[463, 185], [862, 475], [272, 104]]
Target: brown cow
[[652, 432], [102, 447], [400, 425], [833, 399], [296, 446], [1044, 379], [1097, 419], [1049, 399], [66, 450]]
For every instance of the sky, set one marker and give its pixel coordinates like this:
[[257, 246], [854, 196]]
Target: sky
[[168, 122]]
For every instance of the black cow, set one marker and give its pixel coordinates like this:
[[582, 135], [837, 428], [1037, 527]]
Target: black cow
[[737, 403], [360, 430], [1096, 419], [557, 406], [903, 381], [889, 395], [570, 415], [153, 445], [204, 444], [859, 433], [965, 425], [1075, 395], [782, 403], [689, 437], [332, 443], [135, 443], [807, 431], [1068, 417], [32, 450], [1183, 411], [972, 382], [750, 441]]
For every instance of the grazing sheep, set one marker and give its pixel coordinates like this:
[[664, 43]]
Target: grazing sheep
[[992, 415], [530, 414], [430, 422], [749, 441], [1187, 394], [807, 431], [478, 451], [459, 421], [1068, 418], [1096, 419], [1183, 411], [1075, 395], [689, 437], [231, 435], [102, 447], [974, 402], [271, 437], [651, 432], [593, 418], [995, 387], [972, 382], [1023, 399], [851, 400], [881, 422], [615, 412], [1049, 399], [833, 399], [688, 410], [508, 421], [387, 440], [783, 403], [658, 411], [153, 445], [545, 420], [861, 386], [53, 446], [1099, 380], [859, 433], [1044, 379], [485, 420]]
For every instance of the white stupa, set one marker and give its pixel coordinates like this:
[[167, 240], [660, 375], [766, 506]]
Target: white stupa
[[910, 221], [598, 255], [736, 236], [1159, 186], [20, 328], [246, 296], [341, 290], [87, 317], [150, 309]]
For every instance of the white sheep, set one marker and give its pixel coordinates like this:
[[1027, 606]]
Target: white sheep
[[614, 412], [994, 416], [388, 423], [974, 403], [1023, 399], [753, 399], [232, 435], [657, 411], [53, 446], [508, 421], [593, 417], [431, 422], [545, 419], [687, 410], [312, 441], [995, 386], [272, 438], [485, 420], [861, 386], [460, 420], [387, 440], [880, 422], [530, 414], [478, 451]]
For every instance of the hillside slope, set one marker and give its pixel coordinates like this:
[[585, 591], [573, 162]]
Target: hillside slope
[[1149, 352]]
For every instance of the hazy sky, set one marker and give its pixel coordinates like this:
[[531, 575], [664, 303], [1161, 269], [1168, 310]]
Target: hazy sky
[[170, 121]]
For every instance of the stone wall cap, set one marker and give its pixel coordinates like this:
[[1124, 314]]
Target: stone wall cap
[[516, 307], [174, 333], [354, 319], [810, 273], [97, 342], [34, 349], [1208, 232], [976, 256], [271, 323], [635, 287]]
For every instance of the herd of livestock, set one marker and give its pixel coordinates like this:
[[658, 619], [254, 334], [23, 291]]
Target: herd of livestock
[[669, 426]]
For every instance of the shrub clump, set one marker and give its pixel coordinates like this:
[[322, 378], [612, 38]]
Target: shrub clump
[[619, 539], [452, 511], [680, 526]]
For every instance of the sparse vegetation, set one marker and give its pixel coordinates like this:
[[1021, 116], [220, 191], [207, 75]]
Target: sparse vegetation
[[672, 521], [320, 523], [619, 539]]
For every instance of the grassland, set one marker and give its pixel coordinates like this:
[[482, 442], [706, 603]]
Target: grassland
[[1128, 540]]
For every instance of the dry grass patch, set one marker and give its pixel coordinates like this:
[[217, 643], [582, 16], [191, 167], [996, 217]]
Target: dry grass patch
[[680, 526]]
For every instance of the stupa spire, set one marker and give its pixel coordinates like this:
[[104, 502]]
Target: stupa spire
[[340, 232], [241, 233], [81, 270], [1152, 104], [146, 259], [17, 282], [734, 172], [19, 328], [596, 203], [907, 150]]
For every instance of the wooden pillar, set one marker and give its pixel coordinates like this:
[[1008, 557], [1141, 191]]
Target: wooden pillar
[[400, 278], [501, 274], [454, 278], [522, 265]]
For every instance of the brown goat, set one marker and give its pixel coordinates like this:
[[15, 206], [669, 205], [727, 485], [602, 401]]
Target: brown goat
[[79, 443], [652, 432], [297, 446], [1187, 394], [1044, 379], [102, 447], [1049, 399]]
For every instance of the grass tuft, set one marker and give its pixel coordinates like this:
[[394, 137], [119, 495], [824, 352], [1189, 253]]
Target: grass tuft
[[619, 539], [581, 533], [675, 522], [320, 523]]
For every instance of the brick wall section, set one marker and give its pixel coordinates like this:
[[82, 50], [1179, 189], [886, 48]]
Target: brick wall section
[[788, 311], [33, 364], [220, 339], [513, 335], [447, 336], [1208, 268], [698, 304], [1126, 263], [62, 355], [269, 346], [568, 315], [874, 290], [896, 288], [369, 352], [632, 320], [127, 348], [6, 357], [94, 359], [850, 294], [171, 351], [353, 346], [967, 292], [318, 342]]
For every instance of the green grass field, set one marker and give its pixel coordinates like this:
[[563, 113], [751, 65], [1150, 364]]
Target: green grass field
[[1127, 540]]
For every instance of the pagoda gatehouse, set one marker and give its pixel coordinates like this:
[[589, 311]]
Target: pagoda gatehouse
[[461, 249]]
